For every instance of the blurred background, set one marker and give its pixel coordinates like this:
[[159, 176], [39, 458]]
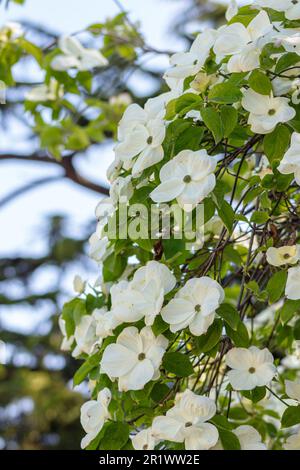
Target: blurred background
[[47, 213]]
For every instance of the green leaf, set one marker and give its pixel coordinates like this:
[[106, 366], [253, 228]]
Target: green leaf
[[226, 213], [187, 102], [159, 392], [113, 267], [210, 339], [212, 120], [286, 61], [276, 285], [85, 368], [260, 83], [225, 93], [259, 217], [230, 315], [159, 326], [289, 309], [255, 395], [178, 364], [291, 416], [173, 247], [229, 440], [229, 117], [240, 337], [115, 437], [277, 143], [71, 313], [190, 139], [297, 330]]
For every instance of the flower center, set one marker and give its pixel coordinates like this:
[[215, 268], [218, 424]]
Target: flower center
[[145, 447], [150, 140], [251, 370], [197, 308], [188, 424], [141, 356], [286, 256], [272, 112], [187, 179]]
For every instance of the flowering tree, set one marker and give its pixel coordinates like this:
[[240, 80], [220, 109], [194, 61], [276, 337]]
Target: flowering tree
[[189, 335]]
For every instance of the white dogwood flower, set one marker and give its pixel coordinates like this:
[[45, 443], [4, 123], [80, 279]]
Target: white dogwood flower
[[121, 188], [140, 135], [249, 438], [47, 92], [291, 8], [66, 342], [186, 422], [283, 255], [232, 10], [194, 305], [144, 440], [290, 162], [79, 284], [135, 358], [105, 323], [188, 178], [186, 64], [266, 111], [93, 415], [233, 38], [250, 367], [85, 336], [292, 389], [293, 442], [292, 290], [76, 56], [144, 295]]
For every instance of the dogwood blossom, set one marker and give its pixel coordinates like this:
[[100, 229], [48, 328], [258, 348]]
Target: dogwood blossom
[[79, 284], [236, 39], [292, 389], [105, 323], [250, 367], [290, 162], [144, 440], [292, 291], [186, 422], [283, 255], [76, 56], [291, 8], [185, 64], [231, 10], [188, 178], [93, 415], [48, 92], [85, 336], [249, 438], [140, 135], [194, 306], [293, 442], [144, 295], [121, 188], [266, 111], [66, 342], [135, 358]]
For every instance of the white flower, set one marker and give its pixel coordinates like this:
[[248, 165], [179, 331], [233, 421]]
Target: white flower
[[141, 135], [98, 247], [250, 367], [283, 255], [292, 389], [11, 31], [266, 111], [121, 188], [291, 43], [79, 284], [123, 99], [46, 92], [188, 178], [290, 7], [144, 295], [144, 440], [185, 64], [76, 56], [85, 336], [292, 290], [93, 415], [66, 342], [232, 10], [290, 162], [135, 358], [293, 442], [104, 322], [194, 305], [232, 39], [186, 422], [249, 438]]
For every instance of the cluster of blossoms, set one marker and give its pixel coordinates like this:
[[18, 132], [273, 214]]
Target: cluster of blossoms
[[196, 348]]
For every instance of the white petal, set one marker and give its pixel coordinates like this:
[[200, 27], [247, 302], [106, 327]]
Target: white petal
[[167, 191]]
